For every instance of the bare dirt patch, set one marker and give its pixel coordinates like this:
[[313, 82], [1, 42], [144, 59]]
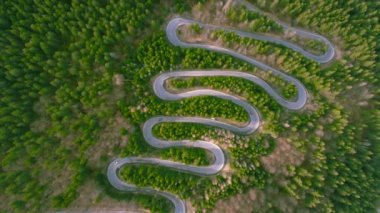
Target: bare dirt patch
[[256, 201], [93, 199], [212, 12], [110, 139], [357, 96], [283, 156], [118, 80], [242, 203], [43, 122]]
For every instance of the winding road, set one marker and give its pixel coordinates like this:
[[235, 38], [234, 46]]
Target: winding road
[[254, 118]]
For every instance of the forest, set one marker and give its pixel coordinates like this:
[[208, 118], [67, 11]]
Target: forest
[[76, 87]]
